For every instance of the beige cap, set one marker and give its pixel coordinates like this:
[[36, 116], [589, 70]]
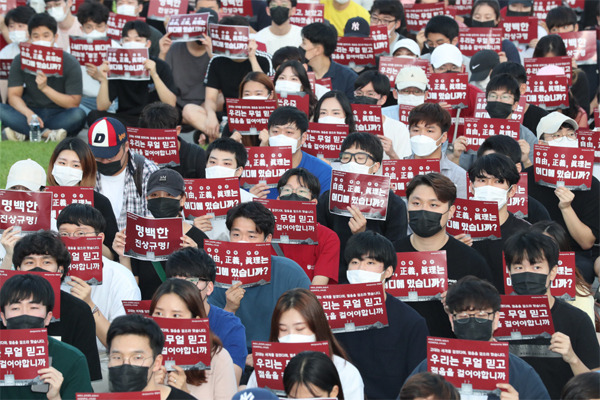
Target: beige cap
[[411, 77], [26, 173], [551, 123]]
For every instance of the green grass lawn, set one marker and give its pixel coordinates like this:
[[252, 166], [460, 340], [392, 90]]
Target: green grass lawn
[[11, 152]]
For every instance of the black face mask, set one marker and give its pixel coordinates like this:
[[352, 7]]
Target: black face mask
[[25, 322], [109, 169], [497, 109], [164, 207], [424, 223], [279, 14], [364, 100], [483, 24], [529, 283], [517, 13], [293, 197], [127, 378], [473, 330]]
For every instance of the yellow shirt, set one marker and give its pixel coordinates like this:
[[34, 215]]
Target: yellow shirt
[[339, 18]]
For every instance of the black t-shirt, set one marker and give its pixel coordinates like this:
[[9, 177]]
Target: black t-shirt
[[536, 211], [226, 75], [192, 160], [462, 260], [177, 394], [532, 117]]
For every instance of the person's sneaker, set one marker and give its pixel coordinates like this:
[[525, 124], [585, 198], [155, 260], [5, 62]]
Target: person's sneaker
[[14, 135], [56, 135]]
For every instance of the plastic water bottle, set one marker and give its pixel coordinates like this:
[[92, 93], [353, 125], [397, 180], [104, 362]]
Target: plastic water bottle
[[35, 134], [222, 125]]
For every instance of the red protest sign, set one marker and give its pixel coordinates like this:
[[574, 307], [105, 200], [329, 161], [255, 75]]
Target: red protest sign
[[370, 193], [367, 118], [417, 15], [479, 129], [63, 196], [152, 239], [533, 65], [29, 210], [230, 40], [5, 68], [597, 119], [541, 7], [519, 29], [300, 101], [307, 13], [52, 277], [472, 40], [158, 145], [590, 140], [271, 358], [127, 64], [7, 5], [325, 82], [450, 88], [480, 364], [211, 196], [249, 116], [48, 60], [402, 171], [581, 46], [548, 92], [266, 165], [563, 166], [248, 263], [188, 27], [237, 7], [576, 5], [381, 41], [353, 51], [463, 7], [155, 395], [325, 140], [186, 343], [24, 352], [89, 51], [350, 308], [524, 317], [419, 276], [141, 307], [160, 9], [86, 258], [519, 203], [404, 111], [391, 66], [295, 221], [116, 22], [476, 218]]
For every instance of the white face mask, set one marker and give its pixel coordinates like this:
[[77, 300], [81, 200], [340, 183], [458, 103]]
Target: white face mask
[[360, 276], [134, 45], [282, 140], [94, 34], [331, 120], [42, 43], [296, 338], [256, 97], [58, 13], [287, 86], [126, 9], [66, 176], [422, 145], [354, 168], [17, 36], [491, 193], [410, 99], [219, 171], [564, 142]]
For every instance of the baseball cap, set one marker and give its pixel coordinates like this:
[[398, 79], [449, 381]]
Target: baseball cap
[[106, 136], [526, 3], [166, 179], [357, 27], [411, 77], [26, 173], [408, 44], [482, 63], [552, 122], [255, 394], [446, 53]]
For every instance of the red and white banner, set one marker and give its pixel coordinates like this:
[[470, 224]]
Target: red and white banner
[[381, 41], [354, 51], [89, 51], [86, 258], [152, 239], [404, 111], [581, 46], [28, 210], [158, 145], [301, 101], [367, 118], [519, 29], [391, 66], [401, 172], [449, 88], [596, 119], [541, 7], [576, 5], [48, 60], [155, 395], [533, 65], [524, 317], [23, 352], [463, 7], [519, 203], [116, 22], [141, 307], [417, 15], [370, 193], [350, 308], [248, 263], [307, 13], [188, 27], [161, 9], [548, 92], [249, 116], [211, 196], [230, 40], [419, 276], [590, 140], [7, 5], [479, 129], [478, 363], [563, 166], [52, 277], [266, 165], [325, 140], [476, 218], [5, 68], [295, 221], [63, 196], [187, 343], [128, 64], [237, 7], [472, 40]]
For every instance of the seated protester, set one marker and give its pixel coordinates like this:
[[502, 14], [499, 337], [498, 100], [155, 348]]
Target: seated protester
[[122, 175], [291, 76], [395, 139], [54, 100], [426, 385], [509, 147], [334, 107], [362, 153], [68, 25], [140, 341], [195, 266], [390, 14], [133, 96], [287, 53], [532, 260], [26, 302], [357, 27], [405, 47], [253, 222], [319, 42], [133, 8], [337, 13], [430, 199], [318, 261], [312, 374], [481, 67], [578, 212], [118, 283], [582, 386], [281, 32], [44, 252], [410, 89], [400, 345], [441, 29], [428, 125], [192, 158], [470, 301], [165, 198], [494, 178]]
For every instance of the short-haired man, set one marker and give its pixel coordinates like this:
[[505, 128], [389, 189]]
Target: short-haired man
[[390, 14], [430, 201], [473, 307], [281, 32], [396, 349], [26, 302], [68, 25], [441, 29], [561, 19]]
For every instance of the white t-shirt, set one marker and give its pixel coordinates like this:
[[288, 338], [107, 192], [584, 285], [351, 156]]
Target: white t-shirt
[[112, 188], [275, 42], [400, 136], [219, 230]]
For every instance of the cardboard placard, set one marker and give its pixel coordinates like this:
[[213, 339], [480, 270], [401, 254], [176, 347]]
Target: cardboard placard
[[548, 92], [295, 221], [351, 308], [29, 210], [596, 119], [237, 7], [48, 60], [5, 68], [449, 88], [188, 27], [524, 317], [576, 5], [476, 218], [419, 276], [519, 29], [417, 15], [266, 165], [230, 40], [541, 7], [472, 40], [63, 196], [301, 101], [325, 140], [249, 117], [581, 46], [401, 172], [563, 166], [590, 140], [519, 203], [307, 13], [86, 258], [155, 395], [7, 5], [381, 41], [370, 193], [481, 103], [116, 22], [152, 239], [89, 51], [404, 111], [127, 64], [158, 145], [52, 277], [533, 65], [325, 82], [463, 7], [354, 51], [479, 129], [248, 263], [211, 196], [24, 352], [141, 307], [187, 343], [161, 9], [391, 66], [367, 118]]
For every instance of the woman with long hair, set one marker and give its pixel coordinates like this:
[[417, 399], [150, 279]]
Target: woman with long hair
[[292, 77], [334, 108]]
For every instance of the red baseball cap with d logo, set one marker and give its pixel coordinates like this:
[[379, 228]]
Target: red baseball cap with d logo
[[106, 136]]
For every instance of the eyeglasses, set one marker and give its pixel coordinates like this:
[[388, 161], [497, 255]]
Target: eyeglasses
[[116, 360], [359, 158], [375, 20], [301, 191], [77, 234], [480, 317], [504, 98], [195, 281], [554, 136], [413, 91], [370, 93]]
